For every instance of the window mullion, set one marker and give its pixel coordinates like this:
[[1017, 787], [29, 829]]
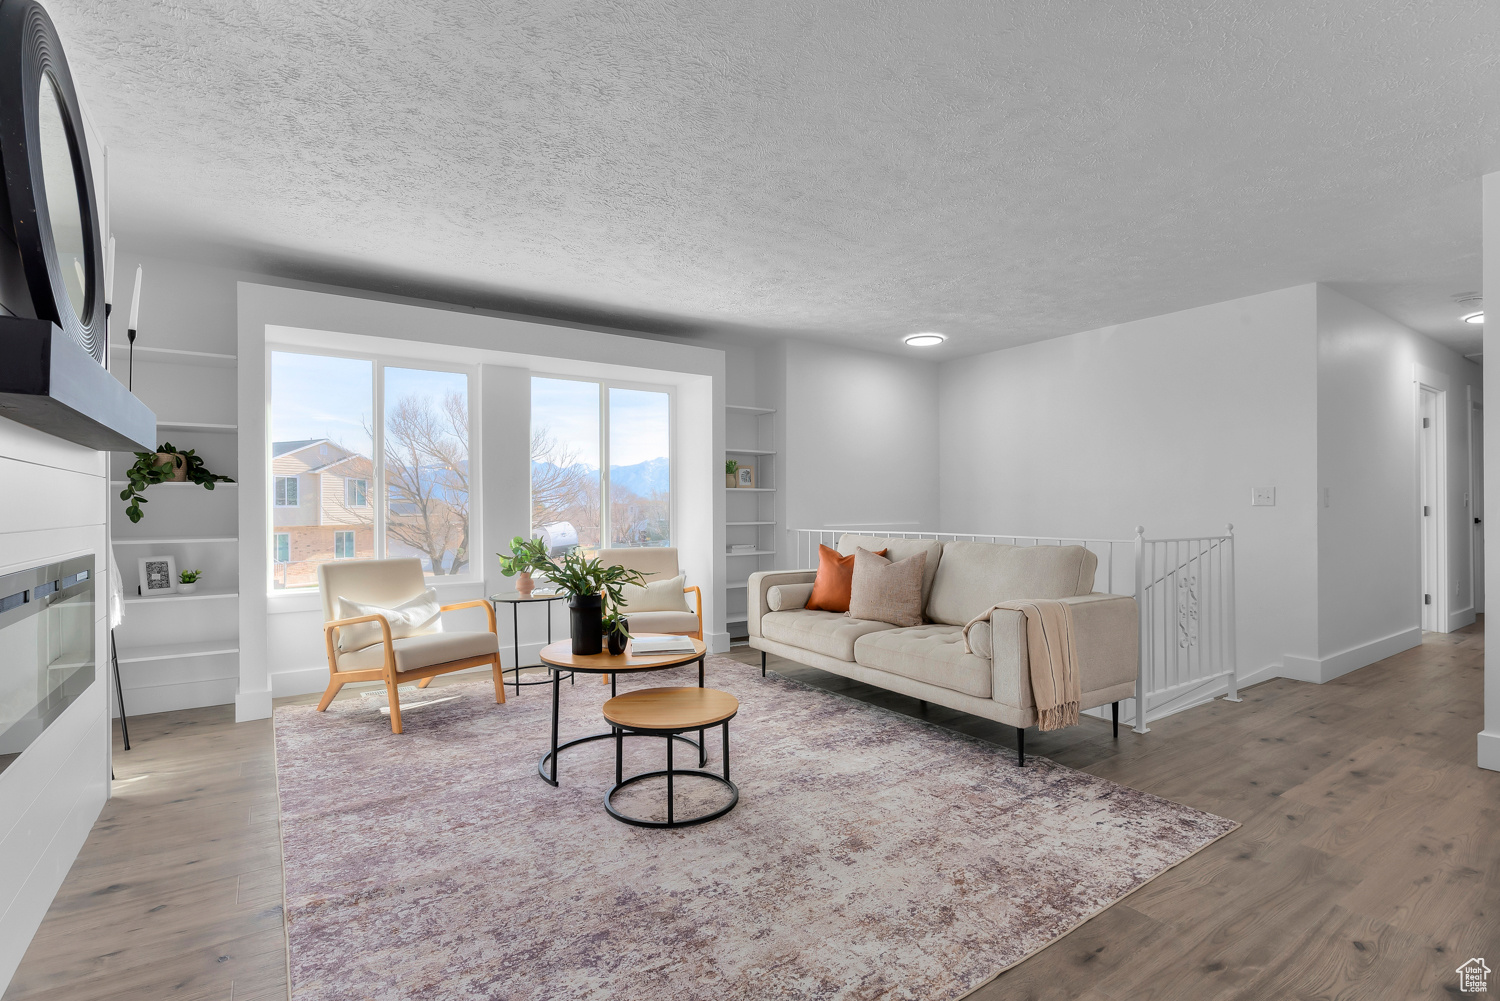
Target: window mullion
[[606, 530], [377, 461]]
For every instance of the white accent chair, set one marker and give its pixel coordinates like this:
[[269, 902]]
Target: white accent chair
[[420, 658], [657, 564]]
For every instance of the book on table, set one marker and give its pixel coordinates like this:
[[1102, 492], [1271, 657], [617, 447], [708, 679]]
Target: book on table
[[653, 645]]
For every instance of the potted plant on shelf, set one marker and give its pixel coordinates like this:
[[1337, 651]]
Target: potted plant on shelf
[[730, 466], [165, 465], [589, 585], [187, 581], [525, 558]]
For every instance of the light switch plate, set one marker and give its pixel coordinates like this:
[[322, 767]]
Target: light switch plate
[[1263, 497]]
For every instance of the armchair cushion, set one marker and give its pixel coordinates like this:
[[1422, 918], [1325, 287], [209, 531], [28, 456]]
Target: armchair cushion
[[413, 617], [657, 596], [426, 650], [661, 622]]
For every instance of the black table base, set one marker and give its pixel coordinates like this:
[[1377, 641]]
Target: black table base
[[671, 773], [515, 635]]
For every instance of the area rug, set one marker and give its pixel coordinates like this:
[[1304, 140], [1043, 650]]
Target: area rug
[[870, 856]]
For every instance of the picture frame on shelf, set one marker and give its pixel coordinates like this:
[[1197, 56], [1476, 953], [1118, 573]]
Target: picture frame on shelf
[[744, 476], [158, 576]]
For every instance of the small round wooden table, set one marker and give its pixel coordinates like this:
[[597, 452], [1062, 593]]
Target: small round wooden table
[[560, 655], [664, 712]]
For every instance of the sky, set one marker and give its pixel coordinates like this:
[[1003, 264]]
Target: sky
[[638, 420]]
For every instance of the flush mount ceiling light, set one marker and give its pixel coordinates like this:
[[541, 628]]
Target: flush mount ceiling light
[[926, 339], [1471, 308], [1475, 317]]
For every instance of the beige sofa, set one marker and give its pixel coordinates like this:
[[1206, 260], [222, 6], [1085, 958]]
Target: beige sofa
[[928, 662]]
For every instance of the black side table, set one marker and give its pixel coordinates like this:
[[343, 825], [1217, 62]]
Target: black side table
[[515, 600]]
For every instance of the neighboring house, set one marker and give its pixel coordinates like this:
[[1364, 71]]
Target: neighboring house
[[322, 497]]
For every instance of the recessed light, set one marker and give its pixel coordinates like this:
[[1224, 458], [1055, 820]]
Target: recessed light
[[926, 339], [1475, 317]]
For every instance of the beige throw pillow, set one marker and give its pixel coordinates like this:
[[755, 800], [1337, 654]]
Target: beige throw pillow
[[656, 596], [887, 592], [422, 614]]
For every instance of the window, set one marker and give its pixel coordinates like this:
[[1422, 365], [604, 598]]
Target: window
[[592, 440], [396, 486]]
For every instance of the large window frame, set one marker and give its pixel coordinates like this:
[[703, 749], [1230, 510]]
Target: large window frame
[[606, 529], [473, 572]]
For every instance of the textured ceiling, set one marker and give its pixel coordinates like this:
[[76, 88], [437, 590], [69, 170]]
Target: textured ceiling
[[849, 170]]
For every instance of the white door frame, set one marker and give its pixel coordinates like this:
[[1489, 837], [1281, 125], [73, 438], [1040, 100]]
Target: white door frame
[[1435, 616], [1474, 511]]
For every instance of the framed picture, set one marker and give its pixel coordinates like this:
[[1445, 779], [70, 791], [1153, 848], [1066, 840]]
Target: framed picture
[[745, 476], [158, 575]]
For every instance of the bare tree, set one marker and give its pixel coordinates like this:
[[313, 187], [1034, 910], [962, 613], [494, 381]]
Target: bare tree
[[561, 488], [427, 478]]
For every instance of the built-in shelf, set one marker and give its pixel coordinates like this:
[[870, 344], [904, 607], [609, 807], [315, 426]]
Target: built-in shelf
[[748, 410], [201, 595], [180, 356], [744, 524], [754, 552], [196, 426], [217, 486], [753, 490], [736, 587], [178, 651], [749, 451], [180, 541]]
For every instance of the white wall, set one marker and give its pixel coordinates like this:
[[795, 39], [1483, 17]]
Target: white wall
[[1489, 739], [1368, 547], [51, 794], [1166, 422], [861, 439]]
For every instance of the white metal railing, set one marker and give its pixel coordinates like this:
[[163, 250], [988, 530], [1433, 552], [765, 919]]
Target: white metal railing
[[1184, 592]]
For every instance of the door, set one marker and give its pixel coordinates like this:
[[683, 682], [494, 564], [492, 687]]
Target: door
[[1476, 503], [1430, 513]]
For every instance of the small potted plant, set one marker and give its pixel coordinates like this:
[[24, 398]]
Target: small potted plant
[[525, 558], [730, 466], [590, 584], [165, 465], [616, 630], [187, 581]]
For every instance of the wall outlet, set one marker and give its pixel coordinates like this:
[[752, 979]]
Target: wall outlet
[[1263, 497]]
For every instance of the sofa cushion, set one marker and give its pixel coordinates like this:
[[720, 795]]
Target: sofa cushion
[[426, 650], [785, 597], [931, 653], [831, 587], [830, 633], [899, 549], [886, 591], [661, 622], [973, 576]]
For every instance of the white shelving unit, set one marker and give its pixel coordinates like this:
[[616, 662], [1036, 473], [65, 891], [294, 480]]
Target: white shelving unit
[[750, 434], [181, 651]]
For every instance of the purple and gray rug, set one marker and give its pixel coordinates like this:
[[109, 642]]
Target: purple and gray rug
[[871, 855]]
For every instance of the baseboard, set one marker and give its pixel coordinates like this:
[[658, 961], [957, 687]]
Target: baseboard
[[252, 705], [1489, 750], [1461, 618], [1260, 674], [310, 680], [1319, 670], [148, 699]]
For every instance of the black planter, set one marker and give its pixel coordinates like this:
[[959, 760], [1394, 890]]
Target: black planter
[[585, 612], [617, 641]]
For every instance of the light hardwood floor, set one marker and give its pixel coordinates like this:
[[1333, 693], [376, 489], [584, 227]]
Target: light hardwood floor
[[1368, 865]]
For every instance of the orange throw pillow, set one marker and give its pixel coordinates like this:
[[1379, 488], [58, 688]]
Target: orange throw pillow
[[835, 580]]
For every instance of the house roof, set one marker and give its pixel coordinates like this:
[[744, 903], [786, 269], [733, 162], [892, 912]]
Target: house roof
[[279, 448]]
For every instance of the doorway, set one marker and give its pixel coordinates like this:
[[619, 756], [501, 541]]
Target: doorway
[[1476, 505], [1430, 512]]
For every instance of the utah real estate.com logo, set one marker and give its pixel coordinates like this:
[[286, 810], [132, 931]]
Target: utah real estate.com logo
[[1473, 977]]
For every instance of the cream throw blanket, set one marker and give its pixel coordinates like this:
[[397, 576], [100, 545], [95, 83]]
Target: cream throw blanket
[[1049, 645]]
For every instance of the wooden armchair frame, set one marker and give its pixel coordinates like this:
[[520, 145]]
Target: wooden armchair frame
[[387, 672]]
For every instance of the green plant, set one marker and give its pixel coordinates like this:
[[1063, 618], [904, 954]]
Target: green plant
[[730, 465], [190, 576], [580, 576], [148, 469], [526, 557], [614, 621]]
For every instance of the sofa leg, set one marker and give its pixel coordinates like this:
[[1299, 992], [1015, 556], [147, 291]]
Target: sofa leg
[[1021, 746], [762, 663], [1116, 712]]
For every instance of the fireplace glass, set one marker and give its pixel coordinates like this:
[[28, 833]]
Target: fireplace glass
[[46, 648]]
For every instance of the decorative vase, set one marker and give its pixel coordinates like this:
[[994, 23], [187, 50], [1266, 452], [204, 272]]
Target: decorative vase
[[187, 588], [524, 584], [617, 640], [729, 480], [585, 612], [178, 464]]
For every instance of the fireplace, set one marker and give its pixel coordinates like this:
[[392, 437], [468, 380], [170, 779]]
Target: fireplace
[[47, 625]]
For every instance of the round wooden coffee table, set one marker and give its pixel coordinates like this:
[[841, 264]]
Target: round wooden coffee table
[[665, 712], [560, 655]]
